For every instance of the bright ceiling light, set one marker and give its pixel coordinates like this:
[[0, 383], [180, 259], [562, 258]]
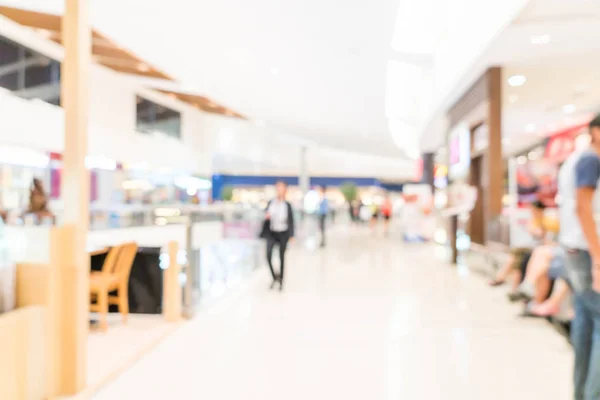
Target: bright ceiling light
[[517, 80], [530, 128], [569, 108], [540, 39], [274, 70], [143, 67]]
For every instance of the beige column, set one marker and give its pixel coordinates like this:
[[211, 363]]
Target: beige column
[[69, 299], [172, 296]]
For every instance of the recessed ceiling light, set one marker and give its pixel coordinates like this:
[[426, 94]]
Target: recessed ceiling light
[[274, 70], [517, 80], [513, 98], [530, 128], [45, 33], [540, 39], [569, 108]]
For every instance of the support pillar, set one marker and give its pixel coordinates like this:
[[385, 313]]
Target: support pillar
[[428, 170], [68, 308], [494, 179], [304, 178]]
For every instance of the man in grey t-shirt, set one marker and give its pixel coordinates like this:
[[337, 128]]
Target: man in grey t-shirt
[[579, 205]]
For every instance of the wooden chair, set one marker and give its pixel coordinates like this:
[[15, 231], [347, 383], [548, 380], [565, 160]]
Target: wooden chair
[[113, 277]]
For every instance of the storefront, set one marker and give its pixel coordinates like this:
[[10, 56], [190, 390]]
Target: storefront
[[259, 189], [475, 160], [533, 176]]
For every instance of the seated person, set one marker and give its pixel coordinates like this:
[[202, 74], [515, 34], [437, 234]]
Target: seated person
[[555, 279], [516, 266], [552, 306], [537, 284], [38, 201]]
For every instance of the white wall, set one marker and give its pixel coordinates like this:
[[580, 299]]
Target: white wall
[[111, 120], [242, 148]]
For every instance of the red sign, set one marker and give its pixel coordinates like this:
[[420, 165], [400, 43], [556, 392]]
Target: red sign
[[562, 144]]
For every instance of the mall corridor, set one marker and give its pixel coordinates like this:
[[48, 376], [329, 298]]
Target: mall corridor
[[366, 318]]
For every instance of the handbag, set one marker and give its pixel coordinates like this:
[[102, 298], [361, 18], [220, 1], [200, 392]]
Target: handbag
[[265, 231]]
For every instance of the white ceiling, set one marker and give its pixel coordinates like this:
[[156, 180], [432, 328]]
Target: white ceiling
[[560, 72], [312, 68], [318, 69]]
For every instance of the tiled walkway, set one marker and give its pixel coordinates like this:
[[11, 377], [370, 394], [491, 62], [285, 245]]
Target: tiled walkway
[[366, 319]]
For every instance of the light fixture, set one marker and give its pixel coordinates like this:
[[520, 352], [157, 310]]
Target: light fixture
[[517, 80], [530, 128], [569, 108], [274, 70], [143, 67], [47, 34], [533, 155], [540, 39]]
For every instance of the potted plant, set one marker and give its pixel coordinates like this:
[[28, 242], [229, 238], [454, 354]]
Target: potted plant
[[227, 193], [349, 190]]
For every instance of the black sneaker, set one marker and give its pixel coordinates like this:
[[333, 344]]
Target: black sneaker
[[275, 281]]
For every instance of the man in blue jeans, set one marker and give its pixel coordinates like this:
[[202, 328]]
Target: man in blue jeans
[[323, 213], [580, 203]]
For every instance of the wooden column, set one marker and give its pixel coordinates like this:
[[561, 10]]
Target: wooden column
[[172, 296], [494, 162], [69, 299]]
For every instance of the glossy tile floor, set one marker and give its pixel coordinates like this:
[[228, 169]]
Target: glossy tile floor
[[367, 319]]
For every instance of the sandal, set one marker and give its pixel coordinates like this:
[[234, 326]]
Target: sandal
[[513, 297]]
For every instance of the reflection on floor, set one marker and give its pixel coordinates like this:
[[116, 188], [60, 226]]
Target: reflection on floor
[[110, 352], [365, 318]]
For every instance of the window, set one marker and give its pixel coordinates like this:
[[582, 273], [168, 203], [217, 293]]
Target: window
[[154, 118], [29, 74]]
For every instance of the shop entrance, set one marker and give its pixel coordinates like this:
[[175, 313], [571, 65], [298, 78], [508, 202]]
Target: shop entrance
[[477, 220]]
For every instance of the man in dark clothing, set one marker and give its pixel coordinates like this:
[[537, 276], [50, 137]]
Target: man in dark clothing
[[281, 230]]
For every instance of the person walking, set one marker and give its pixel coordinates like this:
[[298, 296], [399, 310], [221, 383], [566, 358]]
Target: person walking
[[386, 211], [323, 212], [579, 204], [279, 230]]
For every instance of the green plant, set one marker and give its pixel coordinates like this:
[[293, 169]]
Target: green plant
[[227, 193], [349, 190]]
